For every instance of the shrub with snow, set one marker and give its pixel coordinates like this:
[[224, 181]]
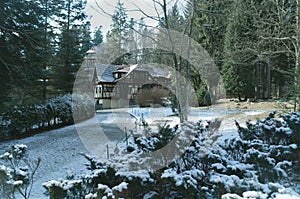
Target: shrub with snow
[[100, 181], [56, 111], [269, 152], [16, 173], [260, 163]]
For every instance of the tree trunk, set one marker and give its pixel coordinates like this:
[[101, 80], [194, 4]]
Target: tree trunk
[[182, 114], [257, 83], [297, 51], [268, 80]]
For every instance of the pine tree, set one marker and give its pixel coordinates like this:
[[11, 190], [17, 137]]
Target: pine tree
[[118, 35], [238, 68], [74, 41], [98, 36], [146, 53], [210, 25], [21, 53]]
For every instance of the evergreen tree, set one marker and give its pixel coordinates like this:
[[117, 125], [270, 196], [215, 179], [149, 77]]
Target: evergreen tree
[[98, 36], [238, 70], [74, 40], [118, 35], [147, 46], [210, 25], [176, 20], [21, 53], [51, 9]]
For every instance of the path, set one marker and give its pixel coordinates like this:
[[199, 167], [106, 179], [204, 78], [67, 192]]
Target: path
[[60, 151]]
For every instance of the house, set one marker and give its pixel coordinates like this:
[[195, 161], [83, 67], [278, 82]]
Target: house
[[117, 86]]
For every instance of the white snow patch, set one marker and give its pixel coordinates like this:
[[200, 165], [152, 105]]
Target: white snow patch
[[231, 196], [293, 146], [254, 112], [219, 166], [120, 187], [106, 189], [18, 183], [254, 195], [286, 196], [91, 196], [144, 175]]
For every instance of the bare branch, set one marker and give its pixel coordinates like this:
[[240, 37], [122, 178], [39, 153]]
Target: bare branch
[[157, 2], [103, 12], [6, 66], [138, 9], [276, 38], [145, 25], [156, 10], [282, 71]]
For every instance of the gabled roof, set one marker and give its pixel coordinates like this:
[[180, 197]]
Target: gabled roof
[[154, 72], [105, 72]]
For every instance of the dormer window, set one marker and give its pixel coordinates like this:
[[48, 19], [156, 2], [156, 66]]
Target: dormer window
[[116, 75]]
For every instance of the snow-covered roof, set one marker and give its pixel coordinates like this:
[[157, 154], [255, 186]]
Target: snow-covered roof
[[154, 72], [106, 72]]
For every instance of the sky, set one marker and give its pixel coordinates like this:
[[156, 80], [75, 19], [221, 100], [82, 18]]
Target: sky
[[97, 17]]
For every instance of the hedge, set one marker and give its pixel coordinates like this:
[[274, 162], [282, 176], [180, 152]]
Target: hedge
[[25, 119]]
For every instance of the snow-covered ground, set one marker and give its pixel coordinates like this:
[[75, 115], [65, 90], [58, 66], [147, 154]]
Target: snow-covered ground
[[60, 149]]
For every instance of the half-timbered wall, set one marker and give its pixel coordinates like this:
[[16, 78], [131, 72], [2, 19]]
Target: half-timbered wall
[[124, 90]]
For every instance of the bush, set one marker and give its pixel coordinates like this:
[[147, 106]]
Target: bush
[[101, 181], [17, 172], [151, 96], [209, 168], [20, 120]]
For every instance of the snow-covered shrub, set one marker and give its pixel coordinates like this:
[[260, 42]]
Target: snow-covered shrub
[[186, 176], [64, 189], [82, 107], [293, 122], [237, 165], [270, 151], [56, 111], [277, 140], [101, 181], [16, 173], [155, 141], [61, 109], [259, 164], [273, 130], [19, 119]]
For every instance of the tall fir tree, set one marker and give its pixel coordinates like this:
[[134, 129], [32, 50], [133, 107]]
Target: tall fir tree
[[98, 36], [118, 35], [74, 40], [210, 25], [238, 69], [21, 51]]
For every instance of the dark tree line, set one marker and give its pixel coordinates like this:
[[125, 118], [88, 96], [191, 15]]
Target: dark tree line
[[255, 45], [43, 43]]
